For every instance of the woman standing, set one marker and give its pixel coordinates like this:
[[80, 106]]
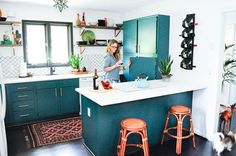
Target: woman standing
[[112, 63]]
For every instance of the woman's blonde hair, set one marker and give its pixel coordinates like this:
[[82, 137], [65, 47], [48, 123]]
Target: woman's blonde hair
[[117, 53]]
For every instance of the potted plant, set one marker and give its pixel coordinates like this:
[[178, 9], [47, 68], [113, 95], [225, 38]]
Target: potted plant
[[229, 74], [75, 62], [165, 68]]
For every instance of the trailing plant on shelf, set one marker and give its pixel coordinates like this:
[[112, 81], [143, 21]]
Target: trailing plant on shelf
[[165, 67], [75, 62], [229, 65]]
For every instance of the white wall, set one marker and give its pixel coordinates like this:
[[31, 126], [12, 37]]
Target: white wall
[[49, 13], [208, 55]]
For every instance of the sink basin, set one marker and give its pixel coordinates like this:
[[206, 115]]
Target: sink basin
[[51, 74]]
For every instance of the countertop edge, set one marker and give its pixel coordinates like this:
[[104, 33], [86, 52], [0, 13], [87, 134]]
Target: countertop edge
[[144, 94], [48, 78]]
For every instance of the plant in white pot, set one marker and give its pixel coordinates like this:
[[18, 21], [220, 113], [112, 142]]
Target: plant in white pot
[[165, 68], [75, 62]]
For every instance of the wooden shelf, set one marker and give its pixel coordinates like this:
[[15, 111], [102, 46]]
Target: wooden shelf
[[9, 23], [116, 29], [10, 45], [92, 45], [100, 27]]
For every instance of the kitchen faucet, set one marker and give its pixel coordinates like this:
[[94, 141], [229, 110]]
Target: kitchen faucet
[[52, 69]]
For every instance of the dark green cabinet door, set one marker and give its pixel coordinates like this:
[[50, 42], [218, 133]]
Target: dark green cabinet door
[[47, 99], [47, 102], [69, 100], [147, 36], [163, 26], [130, 37]]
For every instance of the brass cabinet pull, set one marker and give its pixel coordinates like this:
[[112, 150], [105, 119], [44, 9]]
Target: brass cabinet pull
[[22, 106], [61, 91], [22, 96], [20, 88], [55, 91], [24, 115]]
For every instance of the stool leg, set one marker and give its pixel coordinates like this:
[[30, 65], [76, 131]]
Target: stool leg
[[123, 144], [165, 129], [145, 143], [192, 130], [179, 135], [119, 143]]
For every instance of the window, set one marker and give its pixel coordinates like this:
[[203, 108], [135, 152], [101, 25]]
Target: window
[[46, 42]]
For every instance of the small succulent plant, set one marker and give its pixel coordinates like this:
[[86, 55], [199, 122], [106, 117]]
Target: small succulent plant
[[165, 66]]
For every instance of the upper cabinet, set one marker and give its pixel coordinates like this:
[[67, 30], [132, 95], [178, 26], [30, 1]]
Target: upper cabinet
[[147, 36]]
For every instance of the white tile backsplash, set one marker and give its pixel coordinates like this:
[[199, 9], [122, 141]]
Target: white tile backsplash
[[11, 65]]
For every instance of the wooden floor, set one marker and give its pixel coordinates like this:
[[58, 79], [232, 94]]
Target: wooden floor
[[19, 146]]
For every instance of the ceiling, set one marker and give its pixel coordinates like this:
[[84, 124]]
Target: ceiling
[[105, 5]]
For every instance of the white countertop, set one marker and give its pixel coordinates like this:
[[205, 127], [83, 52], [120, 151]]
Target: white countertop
[[48, 77], [125, 92]]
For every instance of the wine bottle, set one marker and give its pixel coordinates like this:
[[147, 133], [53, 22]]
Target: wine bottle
[[188, 32], [83, 23], [186, 53], [95, 80]]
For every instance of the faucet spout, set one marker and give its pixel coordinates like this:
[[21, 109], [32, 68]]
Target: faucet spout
[[52, 69]]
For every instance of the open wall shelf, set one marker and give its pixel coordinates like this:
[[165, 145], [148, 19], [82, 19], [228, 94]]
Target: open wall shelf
[[117, 30]]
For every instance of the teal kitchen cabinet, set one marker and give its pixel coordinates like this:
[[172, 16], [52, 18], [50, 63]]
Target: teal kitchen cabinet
[[57, 98], [42, 100], [47, 99], [130, 37], [69, 99], [146, 37], [20, 103]]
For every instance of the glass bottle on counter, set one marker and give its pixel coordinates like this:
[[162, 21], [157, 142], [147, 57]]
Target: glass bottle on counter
[[95, 80]]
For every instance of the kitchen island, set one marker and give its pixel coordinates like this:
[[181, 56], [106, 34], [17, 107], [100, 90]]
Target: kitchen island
[[103, 110]]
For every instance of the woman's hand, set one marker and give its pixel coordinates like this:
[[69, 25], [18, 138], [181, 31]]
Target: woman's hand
[[129, 63], [118, 64]]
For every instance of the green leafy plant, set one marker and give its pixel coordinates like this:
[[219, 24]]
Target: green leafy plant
[[229, 67], [75, 61], [165, 66]]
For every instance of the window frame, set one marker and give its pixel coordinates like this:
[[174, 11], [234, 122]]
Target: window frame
[[47, 25]]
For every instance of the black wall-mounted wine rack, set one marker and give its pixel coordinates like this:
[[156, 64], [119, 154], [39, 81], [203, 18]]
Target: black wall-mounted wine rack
[[187, 44]]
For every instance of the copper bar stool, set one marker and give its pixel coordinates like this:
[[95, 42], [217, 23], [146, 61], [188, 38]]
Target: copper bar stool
[[130, 126], [179, 112]]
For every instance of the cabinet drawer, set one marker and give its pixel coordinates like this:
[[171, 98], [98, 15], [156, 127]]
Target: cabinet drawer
[[20, 87], [23, 116], [25, 95], [69, 82], [46, 84], [22, 105]]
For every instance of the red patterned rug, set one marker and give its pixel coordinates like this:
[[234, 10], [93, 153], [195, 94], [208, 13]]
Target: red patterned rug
[[56, 131]]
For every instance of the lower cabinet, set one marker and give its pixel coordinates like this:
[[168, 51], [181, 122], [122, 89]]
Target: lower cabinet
[[30, 102], [47, 100]]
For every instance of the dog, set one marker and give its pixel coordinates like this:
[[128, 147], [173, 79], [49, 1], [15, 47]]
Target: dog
[[223, 141], [226, 117]]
